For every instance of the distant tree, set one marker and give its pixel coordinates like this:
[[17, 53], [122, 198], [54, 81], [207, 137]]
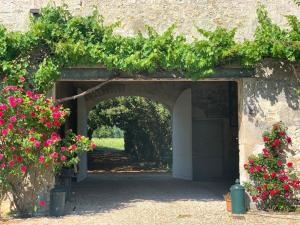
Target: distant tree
[[146, 126]]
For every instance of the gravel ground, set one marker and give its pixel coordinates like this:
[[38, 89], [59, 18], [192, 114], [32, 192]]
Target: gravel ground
[[154, 199]]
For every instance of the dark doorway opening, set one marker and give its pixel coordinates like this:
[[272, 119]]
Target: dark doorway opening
[[215, 131]]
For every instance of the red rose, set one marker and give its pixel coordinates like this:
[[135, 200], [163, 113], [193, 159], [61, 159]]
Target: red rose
[[19, 159], [32, 139], [73, 147], [273, 192], [258, 188], [289, 164], [11, 163], [245, 165], [10, 126], [2, 121], [251, 170], [288, 140], [4, 132], [281, 133], [23, 169], [279, 162], [266, 138], [42, 159], [286, 187], [276, 142], [266, 152], [266, 176], [93, 145], [48, 124], [273, 174], [286, 194], [258, 168], [56, 123]]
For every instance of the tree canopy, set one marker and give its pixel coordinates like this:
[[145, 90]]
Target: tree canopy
[[146, 125]]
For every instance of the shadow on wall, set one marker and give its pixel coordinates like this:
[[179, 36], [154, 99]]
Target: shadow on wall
[[275, 82]]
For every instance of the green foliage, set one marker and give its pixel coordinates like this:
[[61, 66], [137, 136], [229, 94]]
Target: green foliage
[[146, 126], [108, 132], [58, 39], [46, 74]]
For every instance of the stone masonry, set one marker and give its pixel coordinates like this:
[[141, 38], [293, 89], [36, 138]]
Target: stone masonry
[[135, 14]]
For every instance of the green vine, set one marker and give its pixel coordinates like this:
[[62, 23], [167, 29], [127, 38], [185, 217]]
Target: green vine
[[57, 39]]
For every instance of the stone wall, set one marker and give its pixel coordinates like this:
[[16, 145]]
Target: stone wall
[[135, 14], [268, 98]]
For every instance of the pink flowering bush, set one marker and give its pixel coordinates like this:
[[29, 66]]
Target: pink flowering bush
[[31, 148], [273, 180]]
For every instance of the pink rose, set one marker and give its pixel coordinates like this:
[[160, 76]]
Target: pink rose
[[12, 101], [1, 156], [63, 158], [3, 107], [11, 163], [54, 155], [37, 144], [56, 115], [4, 132], [10, 126], [42, 159], [73, 147], [22, 79]]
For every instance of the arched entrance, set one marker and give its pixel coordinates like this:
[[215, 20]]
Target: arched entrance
[[204, 121]]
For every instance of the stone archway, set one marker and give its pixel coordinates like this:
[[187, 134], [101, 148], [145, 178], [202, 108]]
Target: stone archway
[[179, 104]]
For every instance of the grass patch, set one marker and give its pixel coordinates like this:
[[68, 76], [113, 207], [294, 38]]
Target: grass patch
[[109, 143]]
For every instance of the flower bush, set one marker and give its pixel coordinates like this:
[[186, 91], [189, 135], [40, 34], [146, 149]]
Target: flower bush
[[273, 180], [31, 148]]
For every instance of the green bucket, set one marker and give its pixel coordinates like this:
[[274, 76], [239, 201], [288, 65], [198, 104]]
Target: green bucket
[[57, 201]]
